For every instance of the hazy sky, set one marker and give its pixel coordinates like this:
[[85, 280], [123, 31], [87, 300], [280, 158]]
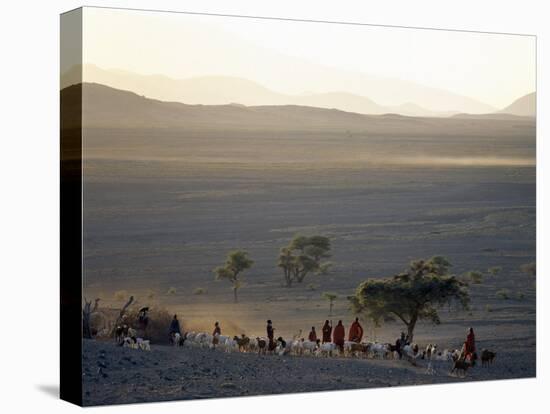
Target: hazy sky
[[283, 56]]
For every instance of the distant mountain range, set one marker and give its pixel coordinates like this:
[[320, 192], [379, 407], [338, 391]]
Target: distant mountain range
[[221, 90], [106, 107], [524, 106], [520, 108]]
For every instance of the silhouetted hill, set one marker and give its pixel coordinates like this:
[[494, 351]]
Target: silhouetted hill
[[113, 108], [524, 106], [105, 107], [221, 90]]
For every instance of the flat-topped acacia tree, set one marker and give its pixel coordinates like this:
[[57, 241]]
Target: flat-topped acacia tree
[[411, 296], [236, 262], [303, 256]]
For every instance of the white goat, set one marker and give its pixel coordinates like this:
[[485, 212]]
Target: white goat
[[378, 350], [143, 344], [203, 339], [309, 347], [230, 345], [431, 351], [326, 349], [129, 343], [409, 351]]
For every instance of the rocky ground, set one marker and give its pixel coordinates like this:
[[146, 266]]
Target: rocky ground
[[115, 375]]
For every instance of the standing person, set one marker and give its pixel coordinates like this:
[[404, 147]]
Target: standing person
[[327, 332], [355, 331], [400, 343], [216, 333], [174, 328], [270, 335], [339, 336], [313, 335], [143, 321], [470, 346]]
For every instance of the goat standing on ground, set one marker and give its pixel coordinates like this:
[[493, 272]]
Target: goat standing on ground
[[460, 365], [487, 357]]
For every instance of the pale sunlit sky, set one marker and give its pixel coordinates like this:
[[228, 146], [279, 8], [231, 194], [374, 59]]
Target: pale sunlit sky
[[283, 55]]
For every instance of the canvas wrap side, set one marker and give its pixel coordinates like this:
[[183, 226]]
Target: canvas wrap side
[[71, 213]]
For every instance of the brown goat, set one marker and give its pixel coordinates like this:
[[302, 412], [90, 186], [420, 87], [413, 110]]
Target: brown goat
[[460, 365], [487, 357], [262, 345]]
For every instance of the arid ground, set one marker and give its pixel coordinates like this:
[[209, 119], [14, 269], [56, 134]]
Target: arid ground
[[115, 375]]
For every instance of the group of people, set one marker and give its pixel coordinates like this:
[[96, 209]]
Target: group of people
[[328, 334], [467, 352], [337, 336]]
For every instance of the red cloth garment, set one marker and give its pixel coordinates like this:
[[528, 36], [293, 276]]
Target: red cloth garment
[[312, 336], [470, 343], [339, 335], [327, 332], [355, 332]]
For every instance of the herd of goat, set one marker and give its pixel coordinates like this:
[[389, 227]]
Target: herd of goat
[[314, 348], [301, 347]]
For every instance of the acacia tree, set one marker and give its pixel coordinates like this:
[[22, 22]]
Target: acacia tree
[[411, 296], [303, 256], [287, 262], [236, 262], [331, 297]]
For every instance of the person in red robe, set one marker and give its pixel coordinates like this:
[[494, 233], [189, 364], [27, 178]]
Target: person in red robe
[[313, 335], [339, 336], [327, 332], [355, 331], [470, 346]]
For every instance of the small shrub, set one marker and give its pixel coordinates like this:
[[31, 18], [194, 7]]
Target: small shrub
[[503, 294], [494, 270], [199, 291], [312, 286], [521, 296], [157, 328], [171, 291], [529, 268], [475, 277], [488, 308]]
